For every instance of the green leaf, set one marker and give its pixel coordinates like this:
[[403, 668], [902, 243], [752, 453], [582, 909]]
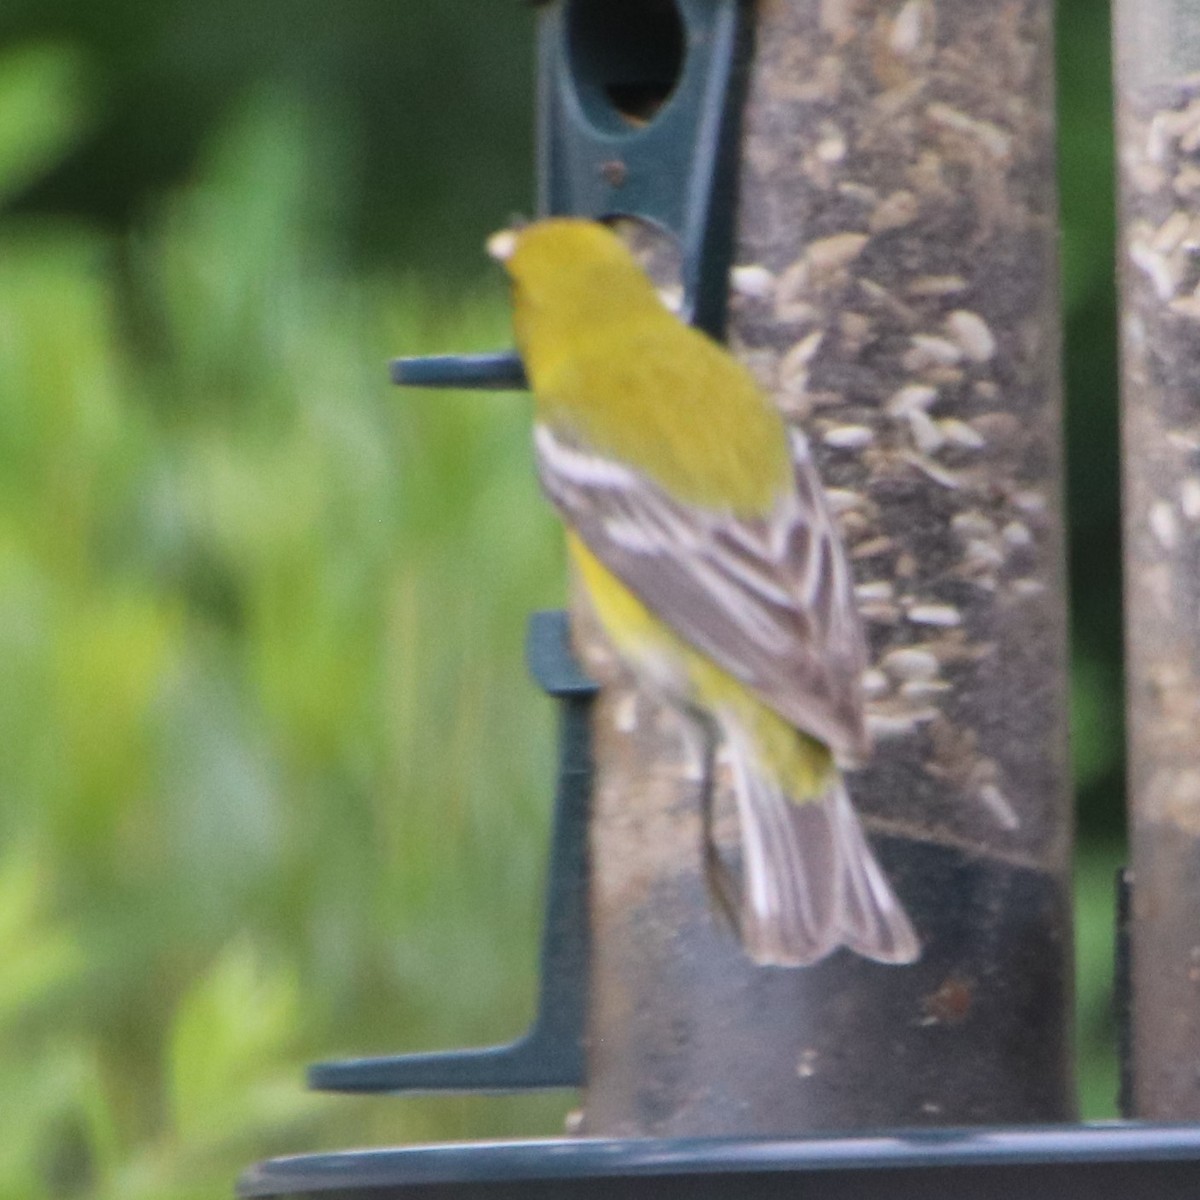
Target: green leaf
[[229, 1067], [38, 956], [42, 113]]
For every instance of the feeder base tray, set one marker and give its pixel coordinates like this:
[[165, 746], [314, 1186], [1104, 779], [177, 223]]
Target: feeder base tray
[[1104, 1162]]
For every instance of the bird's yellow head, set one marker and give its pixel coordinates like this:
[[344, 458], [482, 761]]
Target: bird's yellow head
[[570, 278]]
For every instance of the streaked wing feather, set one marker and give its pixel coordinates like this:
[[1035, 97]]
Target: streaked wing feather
[[768, 599]]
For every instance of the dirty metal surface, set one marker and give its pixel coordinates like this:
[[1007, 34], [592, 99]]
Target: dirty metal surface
[[895, 291], [1158, 53]]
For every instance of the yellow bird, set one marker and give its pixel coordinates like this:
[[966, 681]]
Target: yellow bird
[[699, 529]]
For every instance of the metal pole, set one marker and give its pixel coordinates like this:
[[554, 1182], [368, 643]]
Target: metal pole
[[1158, 89], [896, 291]]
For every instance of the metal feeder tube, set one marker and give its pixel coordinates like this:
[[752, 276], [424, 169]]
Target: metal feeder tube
[[1158, 105], [896, 290]]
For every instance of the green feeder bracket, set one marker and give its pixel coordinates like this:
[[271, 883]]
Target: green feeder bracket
[[638, 109], [638, 117], [638, 112], [551, 1053]]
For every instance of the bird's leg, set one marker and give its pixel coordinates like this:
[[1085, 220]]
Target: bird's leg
[[721, 883]]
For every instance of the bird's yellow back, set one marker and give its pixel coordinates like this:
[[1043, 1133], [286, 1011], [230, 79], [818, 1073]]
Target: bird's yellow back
[[607, 360]]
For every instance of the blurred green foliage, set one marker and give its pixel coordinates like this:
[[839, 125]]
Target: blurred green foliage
[[275, 787], [251, 738]]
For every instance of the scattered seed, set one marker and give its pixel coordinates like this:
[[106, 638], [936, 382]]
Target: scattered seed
[[797, 359], [790, 291], [924, 689], [1148, 179], [832, 146], [856, 332], [1189, 443], [875, 684], [944, 376], [840, 500], [849, 437], [806, 1066], [972, 334], [1189, 498], [908, 663], [998, 804], [1160, 135], [1029, 501], [754, 282], [941, 615], [937, 285], [981, 553], [873, 548], [939, 474], [895, 211], [972, 524], [1017, 535], [991, 137], [913, 397], [886, 726], [879, 589], [1186, 306], [925, 432], [959, 433], [929, 351], [672, 298], [1171, 232], [625, 713], [1156, 267], [838, 18], [860, 193], [1163, 524], [1185, 184], [911, 28], [854, 525], [1028, 588], [909, 133], [830, 254]]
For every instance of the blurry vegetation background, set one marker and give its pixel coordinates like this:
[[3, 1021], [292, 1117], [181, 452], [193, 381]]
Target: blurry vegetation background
[[274, 785]]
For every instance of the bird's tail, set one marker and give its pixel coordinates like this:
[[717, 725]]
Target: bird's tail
[[810, 880]]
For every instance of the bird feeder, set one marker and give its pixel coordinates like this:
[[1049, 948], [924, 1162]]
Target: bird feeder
[[1158, 89], [862, 195]]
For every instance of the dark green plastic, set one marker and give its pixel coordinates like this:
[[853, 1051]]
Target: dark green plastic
[[551, 1053], [674, 171], [500, 371]]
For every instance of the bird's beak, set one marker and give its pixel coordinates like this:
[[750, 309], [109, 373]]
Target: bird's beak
[[502, 245]]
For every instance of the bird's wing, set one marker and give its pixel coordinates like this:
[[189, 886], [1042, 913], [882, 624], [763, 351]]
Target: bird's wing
[[770, 600]]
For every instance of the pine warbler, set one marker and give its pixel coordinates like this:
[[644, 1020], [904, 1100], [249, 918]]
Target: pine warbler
[[699, 530]]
